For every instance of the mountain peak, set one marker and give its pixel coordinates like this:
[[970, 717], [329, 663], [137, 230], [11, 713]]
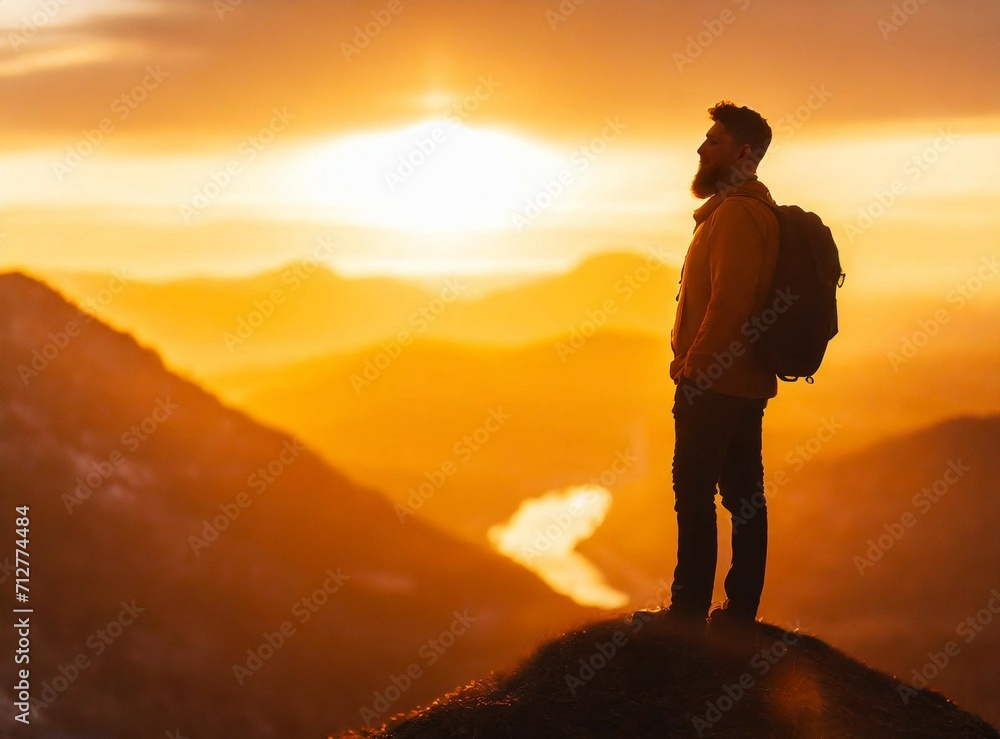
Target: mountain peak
[[637, 678]]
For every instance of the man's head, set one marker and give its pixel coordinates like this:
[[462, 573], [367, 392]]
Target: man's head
[[732, 149]]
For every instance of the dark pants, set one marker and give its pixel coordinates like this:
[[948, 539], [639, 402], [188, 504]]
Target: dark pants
[[718, 442]]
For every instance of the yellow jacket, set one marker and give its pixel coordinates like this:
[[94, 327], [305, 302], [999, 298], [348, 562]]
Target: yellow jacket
[[725, 281]]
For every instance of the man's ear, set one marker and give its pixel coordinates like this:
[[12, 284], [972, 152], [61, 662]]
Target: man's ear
[[745, 162]]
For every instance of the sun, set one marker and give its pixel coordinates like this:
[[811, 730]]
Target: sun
[[437, 175]]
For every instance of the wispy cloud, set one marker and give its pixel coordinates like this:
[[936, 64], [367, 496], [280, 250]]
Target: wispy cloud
[[612, 60]]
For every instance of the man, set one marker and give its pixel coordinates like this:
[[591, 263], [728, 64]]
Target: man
[[721, 389]]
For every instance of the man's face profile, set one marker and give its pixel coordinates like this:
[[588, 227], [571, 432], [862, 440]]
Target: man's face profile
[[718, 155]]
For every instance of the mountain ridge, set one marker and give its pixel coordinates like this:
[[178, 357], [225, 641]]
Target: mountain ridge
[[232, 538]]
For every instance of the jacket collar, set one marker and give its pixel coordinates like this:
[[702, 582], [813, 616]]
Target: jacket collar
[[752, 186]]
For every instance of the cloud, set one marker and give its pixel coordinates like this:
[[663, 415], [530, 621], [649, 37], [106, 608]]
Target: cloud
[[230, 62]]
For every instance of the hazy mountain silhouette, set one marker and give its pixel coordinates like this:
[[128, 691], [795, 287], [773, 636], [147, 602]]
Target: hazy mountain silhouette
[[579, 411], [123, 466], [640, 289], [619, 679], [609, 366], [206, 325], [193, 321], [329, 318]]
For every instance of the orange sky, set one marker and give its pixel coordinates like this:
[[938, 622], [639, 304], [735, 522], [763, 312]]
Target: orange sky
[[169, 93], [605, 58]]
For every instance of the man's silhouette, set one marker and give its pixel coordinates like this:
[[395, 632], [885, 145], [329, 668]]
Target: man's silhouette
[[721, 389]]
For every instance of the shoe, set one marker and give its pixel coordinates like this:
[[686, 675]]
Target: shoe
[[728, 617], [669, 619]]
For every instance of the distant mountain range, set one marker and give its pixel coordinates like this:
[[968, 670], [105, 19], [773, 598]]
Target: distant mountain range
[[207, 326], [239, 341], [194, 571]]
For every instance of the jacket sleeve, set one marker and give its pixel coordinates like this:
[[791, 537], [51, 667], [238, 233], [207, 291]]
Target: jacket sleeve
[[736, 258]]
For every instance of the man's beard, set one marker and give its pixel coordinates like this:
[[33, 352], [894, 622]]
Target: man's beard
[[706, 181], [712, 179]]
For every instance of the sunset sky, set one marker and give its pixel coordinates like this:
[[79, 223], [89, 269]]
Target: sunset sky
[[452, 136]]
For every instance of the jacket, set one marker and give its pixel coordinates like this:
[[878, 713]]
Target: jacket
[[725, 281]]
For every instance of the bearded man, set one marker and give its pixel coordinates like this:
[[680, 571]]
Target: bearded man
[[722, 389]]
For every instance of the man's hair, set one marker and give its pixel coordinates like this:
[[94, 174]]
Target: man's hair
[[746, 126]]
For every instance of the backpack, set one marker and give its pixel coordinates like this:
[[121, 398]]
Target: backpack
[[807, 273]]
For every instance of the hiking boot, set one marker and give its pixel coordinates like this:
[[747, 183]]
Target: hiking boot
[[728, 617], [670, 619]]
